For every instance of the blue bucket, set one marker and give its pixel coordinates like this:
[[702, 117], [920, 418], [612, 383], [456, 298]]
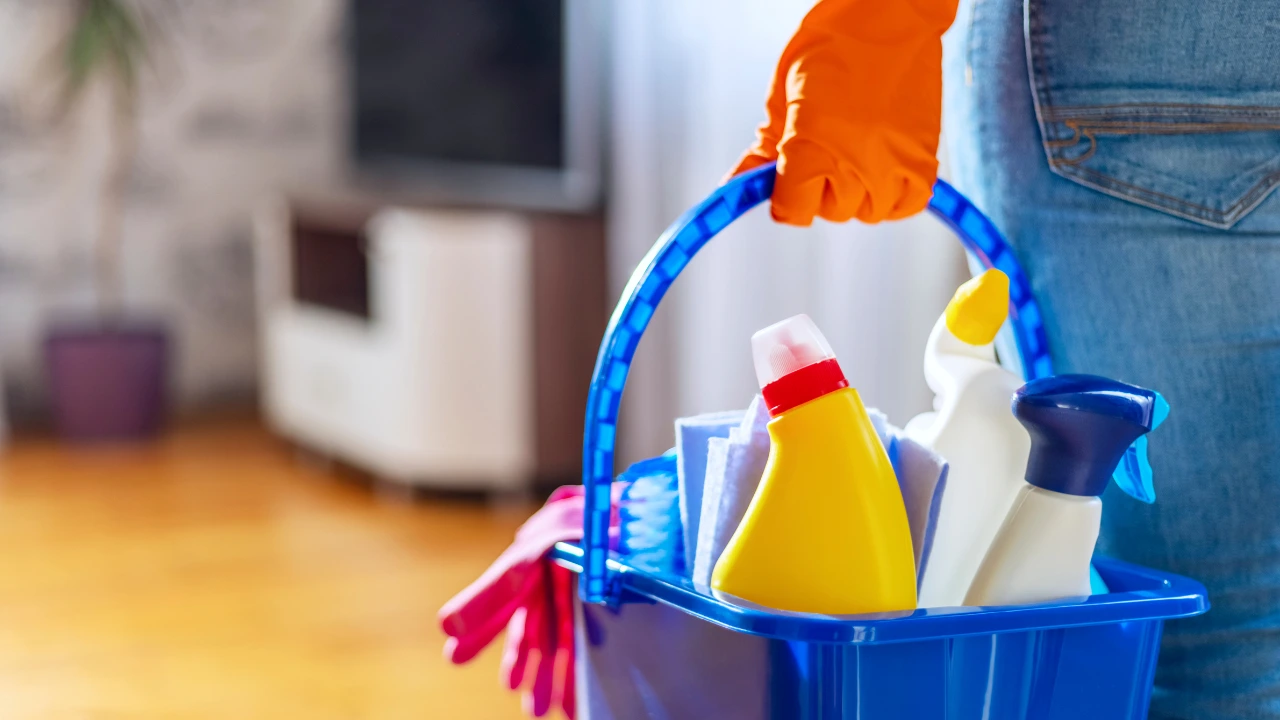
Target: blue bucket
[[651, 645]]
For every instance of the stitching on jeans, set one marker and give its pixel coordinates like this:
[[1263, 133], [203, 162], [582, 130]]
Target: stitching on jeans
[[1075, 138], [1093, 148], [1032, 30], [1266, 182], [1229, 215], [1132, 128], [1122, 129], [1050, 119], [1061, 111]]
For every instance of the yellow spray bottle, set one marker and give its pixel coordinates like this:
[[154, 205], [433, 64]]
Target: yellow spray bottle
[[826, 531]]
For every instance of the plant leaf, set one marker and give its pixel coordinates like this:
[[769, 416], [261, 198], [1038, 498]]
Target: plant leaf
[[106, 36], [83, 48]]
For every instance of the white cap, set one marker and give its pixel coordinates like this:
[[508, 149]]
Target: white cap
[[783, 348]]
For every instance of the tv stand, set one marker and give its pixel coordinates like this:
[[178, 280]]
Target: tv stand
[[436, 347]]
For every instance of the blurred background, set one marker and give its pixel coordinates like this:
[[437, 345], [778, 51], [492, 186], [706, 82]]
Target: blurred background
[[299, 300]]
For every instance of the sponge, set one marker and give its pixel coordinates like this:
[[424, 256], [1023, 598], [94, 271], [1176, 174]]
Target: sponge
[[979, 308]]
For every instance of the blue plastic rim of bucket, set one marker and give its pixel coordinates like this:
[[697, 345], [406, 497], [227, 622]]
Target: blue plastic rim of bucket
[[659, 269]]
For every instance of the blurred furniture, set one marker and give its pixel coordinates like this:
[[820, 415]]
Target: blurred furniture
[[449, 348], [4, 416], [435, 320], [498, 103]]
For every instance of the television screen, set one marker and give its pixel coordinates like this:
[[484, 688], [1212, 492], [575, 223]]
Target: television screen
[[465, 81]]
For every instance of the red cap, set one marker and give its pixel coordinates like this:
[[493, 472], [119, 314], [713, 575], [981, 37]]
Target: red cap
[[807, 383], [794, 364]]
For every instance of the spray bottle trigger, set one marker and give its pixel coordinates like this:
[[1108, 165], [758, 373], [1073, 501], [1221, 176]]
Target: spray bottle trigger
[[1161, 411], [1133, 475]]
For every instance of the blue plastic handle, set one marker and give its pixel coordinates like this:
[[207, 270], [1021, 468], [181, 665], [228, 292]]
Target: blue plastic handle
[[660, 267]]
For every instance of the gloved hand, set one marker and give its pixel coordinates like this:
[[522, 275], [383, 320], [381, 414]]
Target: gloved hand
[[854, 112], [532, 598]]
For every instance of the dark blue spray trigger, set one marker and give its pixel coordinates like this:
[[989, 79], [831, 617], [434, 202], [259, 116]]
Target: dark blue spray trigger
[[1133, 474]]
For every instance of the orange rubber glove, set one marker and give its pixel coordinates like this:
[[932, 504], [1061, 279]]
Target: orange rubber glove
[[854, 112]]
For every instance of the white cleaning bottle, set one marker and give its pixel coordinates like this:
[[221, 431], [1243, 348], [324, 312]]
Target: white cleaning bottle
[[1082, 428], [973, 429]]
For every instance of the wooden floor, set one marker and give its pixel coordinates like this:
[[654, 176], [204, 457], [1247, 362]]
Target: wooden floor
[[214, 576]]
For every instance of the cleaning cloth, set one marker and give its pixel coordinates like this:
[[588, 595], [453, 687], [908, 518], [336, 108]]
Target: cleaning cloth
[[692, 436], [922, 477], [734, 466], [735, 463]]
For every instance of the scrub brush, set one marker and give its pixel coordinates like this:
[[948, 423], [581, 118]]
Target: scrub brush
[[651, 538]]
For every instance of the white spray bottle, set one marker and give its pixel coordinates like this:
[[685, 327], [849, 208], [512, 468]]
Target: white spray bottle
[[1085, 430], [974, 430]]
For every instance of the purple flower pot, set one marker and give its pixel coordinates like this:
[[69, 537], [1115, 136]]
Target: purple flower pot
[[107, 382]]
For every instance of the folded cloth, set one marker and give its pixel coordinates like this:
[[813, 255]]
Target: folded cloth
[[734, 466], [922, 477], [692, 436]]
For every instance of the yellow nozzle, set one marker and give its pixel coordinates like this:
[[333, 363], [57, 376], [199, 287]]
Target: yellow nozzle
[[979, 308]]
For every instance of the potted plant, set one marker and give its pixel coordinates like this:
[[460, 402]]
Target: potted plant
[[107, 375]]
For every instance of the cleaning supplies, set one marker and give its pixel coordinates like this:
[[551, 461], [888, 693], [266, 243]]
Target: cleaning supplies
[[1082, 428], [734, 467], [531, 597], [692, 436], [736, 463], [922, 478], [651, 537], [973, 429], [826, 531]]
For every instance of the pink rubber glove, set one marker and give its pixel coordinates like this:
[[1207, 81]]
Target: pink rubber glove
[[539, 653], [532, 599], [475, 616]]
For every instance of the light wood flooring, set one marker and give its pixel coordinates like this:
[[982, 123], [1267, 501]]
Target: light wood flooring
[[212, 575]]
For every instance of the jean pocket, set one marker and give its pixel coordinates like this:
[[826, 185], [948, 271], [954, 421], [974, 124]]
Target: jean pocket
[[1125, 108]]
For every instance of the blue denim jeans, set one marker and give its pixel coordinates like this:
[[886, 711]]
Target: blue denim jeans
[[1128, 148]]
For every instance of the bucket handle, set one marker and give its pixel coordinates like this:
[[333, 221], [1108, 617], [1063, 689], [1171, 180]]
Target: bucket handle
[[659, 269]]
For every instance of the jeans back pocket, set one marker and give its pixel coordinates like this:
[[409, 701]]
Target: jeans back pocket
[[1172, 104]]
